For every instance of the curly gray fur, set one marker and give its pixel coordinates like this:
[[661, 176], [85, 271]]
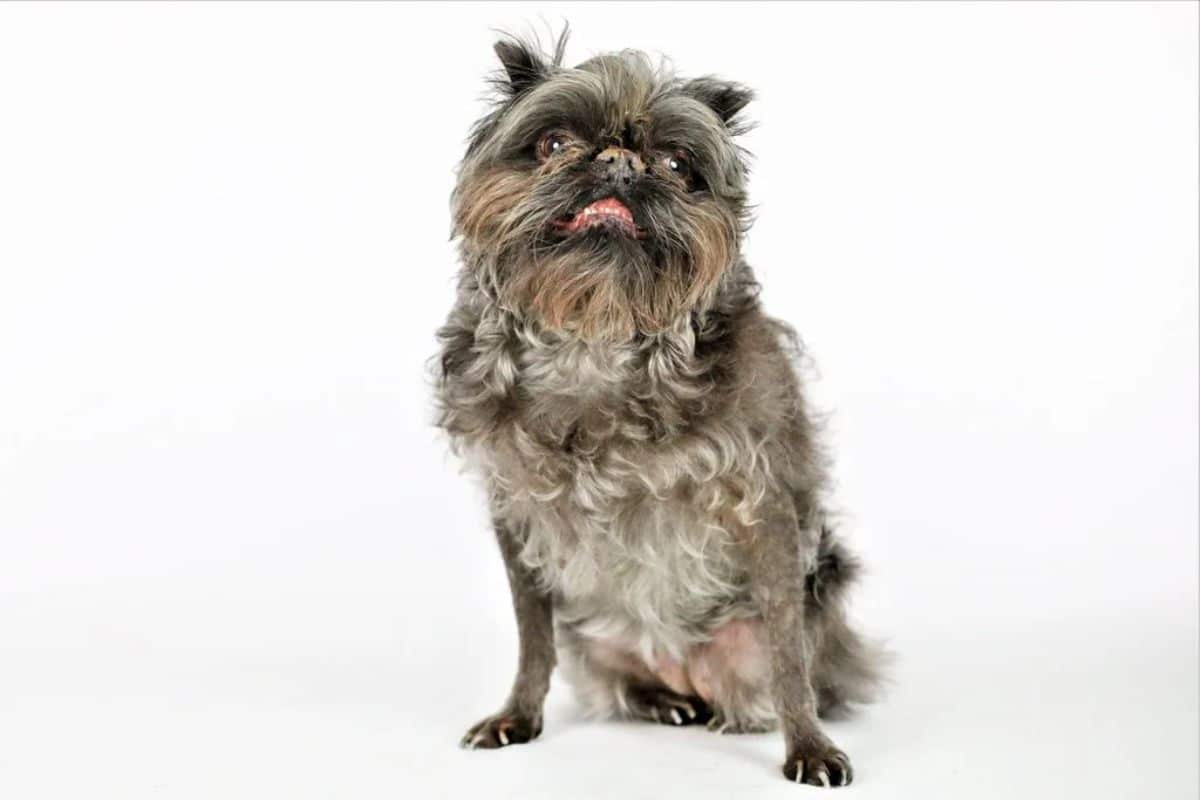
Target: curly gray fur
[[637, 419]]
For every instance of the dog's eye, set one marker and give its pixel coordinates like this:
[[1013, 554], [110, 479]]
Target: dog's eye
[[551, 142], [678, 163]]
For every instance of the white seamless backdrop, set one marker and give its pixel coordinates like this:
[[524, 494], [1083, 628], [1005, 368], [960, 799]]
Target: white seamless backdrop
[[236, 561]]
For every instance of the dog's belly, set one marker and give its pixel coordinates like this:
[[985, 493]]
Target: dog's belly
[[655, 579], [733, 656]]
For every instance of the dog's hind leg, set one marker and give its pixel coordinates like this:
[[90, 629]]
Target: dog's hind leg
[[612, 681]]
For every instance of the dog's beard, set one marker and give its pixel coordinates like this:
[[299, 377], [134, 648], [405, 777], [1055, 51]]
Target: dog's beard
[[601, 283]]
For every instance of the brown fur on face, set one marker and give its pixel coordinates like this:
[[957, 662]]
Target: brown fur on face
[[589, 295], [597, 286]]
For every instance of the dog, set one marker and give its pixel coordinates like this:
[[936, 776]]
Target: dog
[[653, 472]]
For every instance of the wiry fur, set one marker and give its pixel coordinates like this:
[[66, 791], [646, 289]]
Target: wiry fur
[[638, 421]]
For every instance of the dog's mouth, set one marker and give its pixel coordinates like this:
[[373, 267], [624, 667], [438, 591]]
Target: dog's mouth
[[608, 214]]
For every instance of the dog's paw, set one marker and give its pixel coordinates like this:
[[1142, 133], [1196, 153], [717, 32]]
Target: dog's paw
[[667, 707], [818, 763], [501, 730], [723, 724]]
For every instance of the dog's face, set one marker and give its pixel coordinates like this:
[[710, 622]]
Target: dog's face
[[604, 200]]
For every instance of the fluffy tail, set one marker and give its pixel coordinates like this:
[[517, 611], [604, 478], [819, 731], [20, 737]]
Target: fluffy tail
[[837, 568], [846, 668]]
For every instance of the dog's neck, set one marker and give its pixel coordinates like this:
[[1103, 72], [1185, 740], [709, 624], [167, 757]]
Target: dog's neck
[[554, 382]]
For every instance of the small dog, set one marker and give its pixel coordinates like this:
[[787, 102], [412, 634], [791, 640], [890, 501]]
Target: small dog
[[652, 471]]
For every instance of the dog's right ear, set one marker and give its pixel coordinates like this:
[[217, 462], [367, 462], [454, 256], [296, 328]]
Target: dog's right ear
[[523, 65]]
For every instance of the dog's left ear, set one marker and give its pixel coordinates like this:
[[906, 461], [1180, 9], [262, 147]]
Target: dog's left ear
[[725, 98]]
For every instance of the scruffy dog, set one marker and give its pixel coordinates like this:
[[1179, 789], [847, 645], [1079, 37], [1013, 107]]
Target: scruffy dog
[[652, 471]]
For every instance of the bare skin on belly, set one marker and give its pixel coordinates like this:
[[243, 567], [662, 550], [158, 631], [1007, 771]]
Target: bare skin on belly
[[723, 680], [736, 653]]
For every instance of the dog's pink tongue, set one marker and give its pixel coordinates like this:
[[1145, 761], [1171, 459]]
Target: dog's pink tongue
[[608, 207]]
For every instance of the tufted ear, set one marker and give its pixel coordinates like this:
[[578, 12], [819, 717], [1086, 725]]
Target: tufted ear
[[524, 63], [725, 98]]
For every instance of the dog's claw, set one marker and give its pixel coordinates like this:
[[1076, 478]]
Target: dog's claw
[[821, 764], [501, 730], [666, 707]]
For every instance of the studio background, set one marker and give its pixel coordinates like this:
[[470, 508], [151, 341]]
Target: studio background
[[237, 561]]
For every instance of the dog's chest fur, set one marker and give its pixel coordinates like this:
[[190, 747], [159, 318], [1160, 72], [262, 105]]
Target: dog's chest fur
[[609, 460]]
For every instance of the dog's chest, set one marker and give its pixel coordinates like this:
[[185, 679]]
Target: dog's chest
[[620, 521], [658, 573]]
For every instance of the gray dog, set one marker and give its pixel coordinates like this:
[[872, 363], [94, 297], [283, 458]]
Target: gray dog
[[652, 470]]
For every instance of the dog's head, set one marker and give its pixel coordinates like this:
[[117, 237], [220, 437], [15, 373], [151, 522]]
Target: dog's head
[[605, 200]]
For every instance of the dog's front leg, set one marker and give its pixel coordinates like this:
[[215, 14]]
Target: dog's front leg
[[520, 720], [777, 551]]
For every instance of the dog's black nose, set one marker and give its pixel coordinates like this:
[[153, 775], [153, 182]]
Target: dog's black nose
[[619, 165]]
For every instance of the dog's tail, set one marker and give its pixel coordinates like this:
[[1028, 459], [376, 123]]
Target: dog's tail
[[847, 667], [836, 569]]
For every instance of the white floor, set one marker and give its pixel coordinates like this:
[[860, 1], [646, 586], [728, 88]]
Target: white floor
[[225, 686]]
